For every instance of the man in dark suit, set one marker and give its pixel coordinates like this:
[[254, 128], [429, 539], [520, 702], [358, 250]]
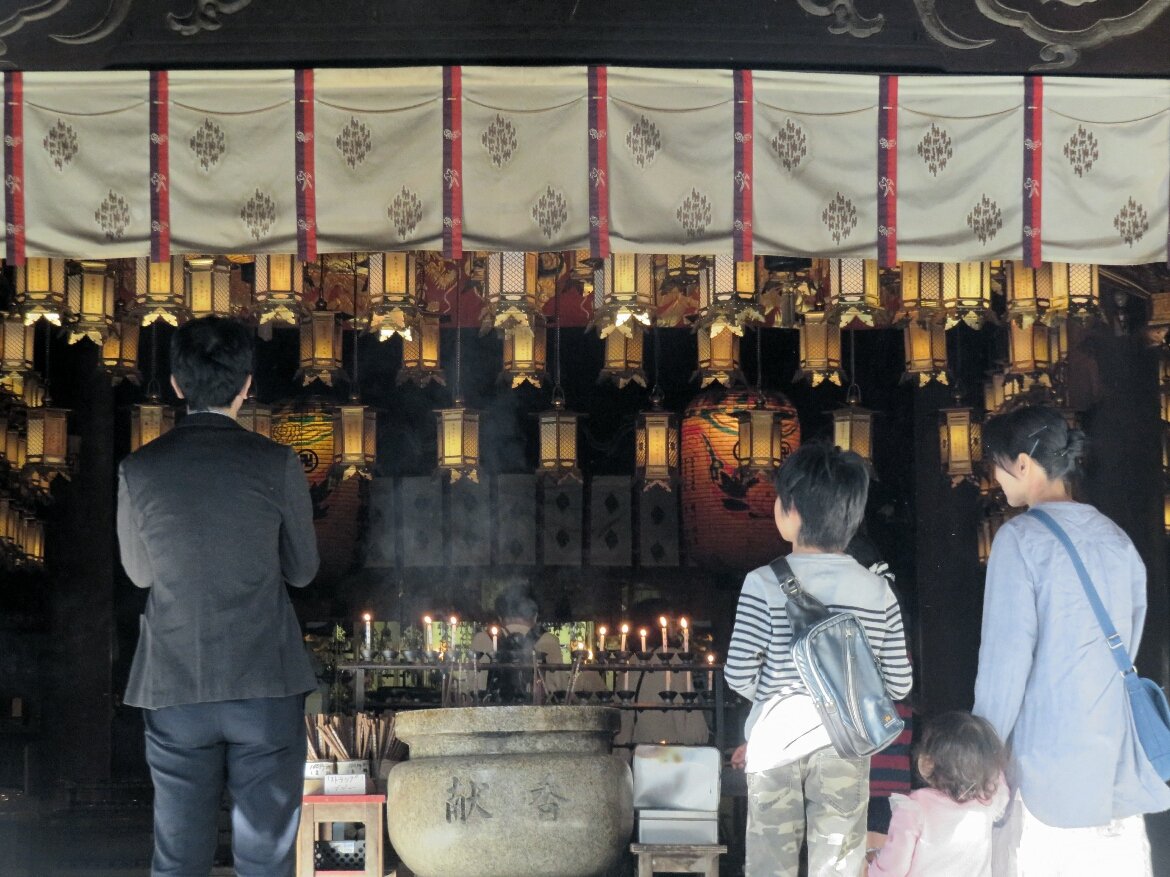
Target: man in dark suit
[[214, 520]]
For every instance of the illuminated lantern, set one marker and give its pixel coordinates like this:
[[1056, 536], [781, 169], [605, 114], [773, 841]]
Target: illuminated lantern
[[355, 440], [458, 442], [1029, 292], [256, 418], [926, 353], [47, 434], [511, 291], [7, 523], [1166, 511], [727, 510], [624, 292], [420, 354], [525, 352], [719, 361], [393, 290], [623, 357], [307, 428], [820, 350], [656, 447], [148, 421], [853, 429], [320, 347], [32, 390], [727, 296], [922, 290], [558, 442], [13, 453], [968, 298], [16, 346], [120, 352], [209, 286], [762, 440], [90, 302], [960, 443], [280, 284], [40, 290], [159, 291], [1076, 291], [855, 292], [1029, 352]]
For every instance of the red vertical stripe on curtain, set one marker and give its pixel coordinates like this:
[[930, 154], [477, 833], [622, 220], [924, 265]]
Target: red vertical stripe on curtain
[[598, 163], [887, 181], [1033, 167], [742, 236], [306, 168], [14, 165], [453, 162], [160, 167]]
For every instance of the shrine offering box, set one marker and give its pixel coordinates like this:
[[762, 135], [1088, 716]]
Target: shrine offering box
[[676, 778]]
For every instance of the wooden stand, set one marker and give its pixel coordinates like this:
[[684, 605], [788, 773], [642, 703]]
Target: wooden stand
[[687, 858], [317, 810]]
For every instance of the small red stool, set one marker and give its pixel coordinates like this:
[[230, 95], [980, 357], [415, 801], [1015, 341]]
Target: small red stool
[[318, 810]]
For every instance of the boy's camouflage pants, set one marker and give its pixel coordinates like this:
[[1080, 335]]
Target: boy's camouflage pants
[[822, 793]]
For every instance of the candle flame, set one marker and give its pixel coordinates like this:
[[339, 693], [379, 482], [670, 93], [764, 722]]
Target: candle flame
[[710, 657], [662, 621], [625, 628], [682, 622], [601, 630], [495, 630], [426, 619], [454, 620], [643, 632], [367, 616]]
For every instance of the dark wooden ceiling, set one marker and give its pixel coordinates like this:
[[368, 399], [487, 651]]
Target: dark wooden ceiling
[[1097, 37]]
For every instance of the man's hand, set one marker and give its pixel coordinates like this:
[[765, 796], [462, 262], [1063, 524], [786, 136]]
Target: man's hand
[[739, 757]]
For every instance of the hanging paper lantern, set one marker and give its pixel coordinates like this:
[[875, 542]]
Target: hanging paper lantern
[[1029, 292], [120, 352], [16, 349], [960, 443], [922, 290], [1076, 292], [727, 296], [727, 511], [420, 354], [355, 440], [967, 293], [762, 443], [280, 286], [926, 353], [994, 392], [47, 432], [458, 442], [855, 292], [820, 350], [307, 428], [148, 421], [511, 291], [321, 337], [256, 418], [623, 357], [623, 289], [90, 302], [719, 361], [558, 443], [395, 308], [209, 286], [1029, 351], [40, 290], [159, 291], [656, 448], [525, 353], [853, 429]]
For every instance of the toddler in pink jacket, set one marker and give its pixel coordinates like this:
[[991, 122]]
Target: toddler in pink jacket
[[946, 828]]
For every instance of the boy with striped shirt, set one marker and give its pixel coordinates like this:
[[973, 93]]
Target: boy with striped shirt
[[822, 797]]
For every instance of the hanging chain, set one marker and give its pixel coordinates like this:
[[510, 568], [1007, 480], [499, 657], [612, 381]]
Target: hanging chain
[[153, 390], [853, 394]]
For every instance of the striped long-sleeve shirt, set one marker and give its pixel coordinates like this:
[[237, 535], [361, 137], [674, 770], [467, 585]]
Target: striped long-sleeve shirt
[[759, 658]]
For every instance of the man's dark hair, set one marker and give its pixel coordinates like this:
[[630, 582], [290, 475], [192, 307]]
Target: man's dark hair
[[1040, 432], [210, 359], [828, 487]]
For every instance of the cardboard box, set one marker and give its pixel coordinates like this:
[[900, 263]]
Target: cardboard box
[[347, 784], [677, 827]]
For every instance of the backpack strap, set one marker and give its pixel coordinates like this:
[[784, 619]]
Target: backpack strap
[[1112, 637], [804, 610]]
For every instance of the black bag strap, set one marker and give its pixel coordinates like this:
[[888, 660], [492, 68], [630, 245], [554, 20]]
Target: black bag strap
[[804, 610], [1116, 646]]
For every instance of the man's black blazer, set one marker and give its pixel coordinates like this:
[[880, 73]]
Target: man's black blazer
[[214, 519]]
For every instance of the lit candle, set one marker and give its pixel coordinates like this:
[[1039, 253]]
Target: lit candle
[[682, 622], [495, 642], [601, 631], [625, 631], [710, 673], [427, 633], [642, 633], [662, 622], [452, 623], [368, 619]]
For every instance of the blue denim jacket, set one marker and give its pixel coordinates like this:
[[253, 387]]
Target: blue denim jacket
[[1046, 679]]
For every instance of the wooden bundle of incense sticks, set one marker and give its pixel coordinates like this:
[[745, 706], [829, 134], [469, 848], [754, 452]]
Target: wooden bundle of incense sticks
[[365, 736]]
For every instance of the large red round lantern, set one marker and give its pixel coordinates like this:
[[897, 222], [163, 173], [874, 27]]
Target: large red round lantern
[[727, 509]]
